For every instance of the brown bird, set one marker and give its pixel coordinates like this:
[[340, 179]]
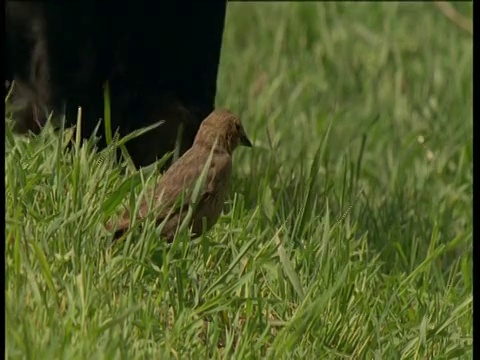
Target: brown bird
[[218, 136]]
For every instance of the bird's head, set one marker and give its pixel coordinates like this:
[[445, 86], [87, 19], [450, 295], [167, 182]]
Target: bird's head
[[226, 128]]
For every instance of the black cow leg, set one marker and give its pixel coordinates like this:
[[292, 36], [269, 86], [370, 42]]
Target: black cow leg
[[160, 59]]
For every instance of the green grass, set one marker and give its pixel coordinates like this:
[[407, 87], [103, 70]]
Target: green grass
[[348, 233]]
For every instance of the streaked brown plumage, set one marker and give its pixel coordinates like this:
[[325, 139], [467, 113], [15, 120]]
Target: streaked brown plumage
[[221, 131]]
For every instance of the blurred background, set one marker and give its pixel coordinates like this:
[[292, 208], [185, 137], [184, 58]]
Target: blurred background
[[394, 83]]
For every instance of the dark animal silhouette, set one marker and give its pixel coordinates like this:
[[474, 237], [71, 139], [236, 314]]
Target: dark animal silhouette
[[159, 58]]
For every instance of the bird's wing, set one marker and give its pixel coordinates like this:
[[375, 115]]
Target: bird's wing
[[178, 183], [175, 188]]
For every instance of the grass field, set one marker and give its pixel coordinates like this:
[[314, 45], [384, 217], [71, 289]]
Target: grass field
[[348, 233]]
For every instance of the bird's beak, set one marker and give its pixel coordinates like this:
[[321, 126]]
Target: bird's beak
[[245, 141]]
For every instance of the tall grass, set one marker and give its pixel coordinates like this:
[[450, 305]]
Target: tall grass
[[348, 233]]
